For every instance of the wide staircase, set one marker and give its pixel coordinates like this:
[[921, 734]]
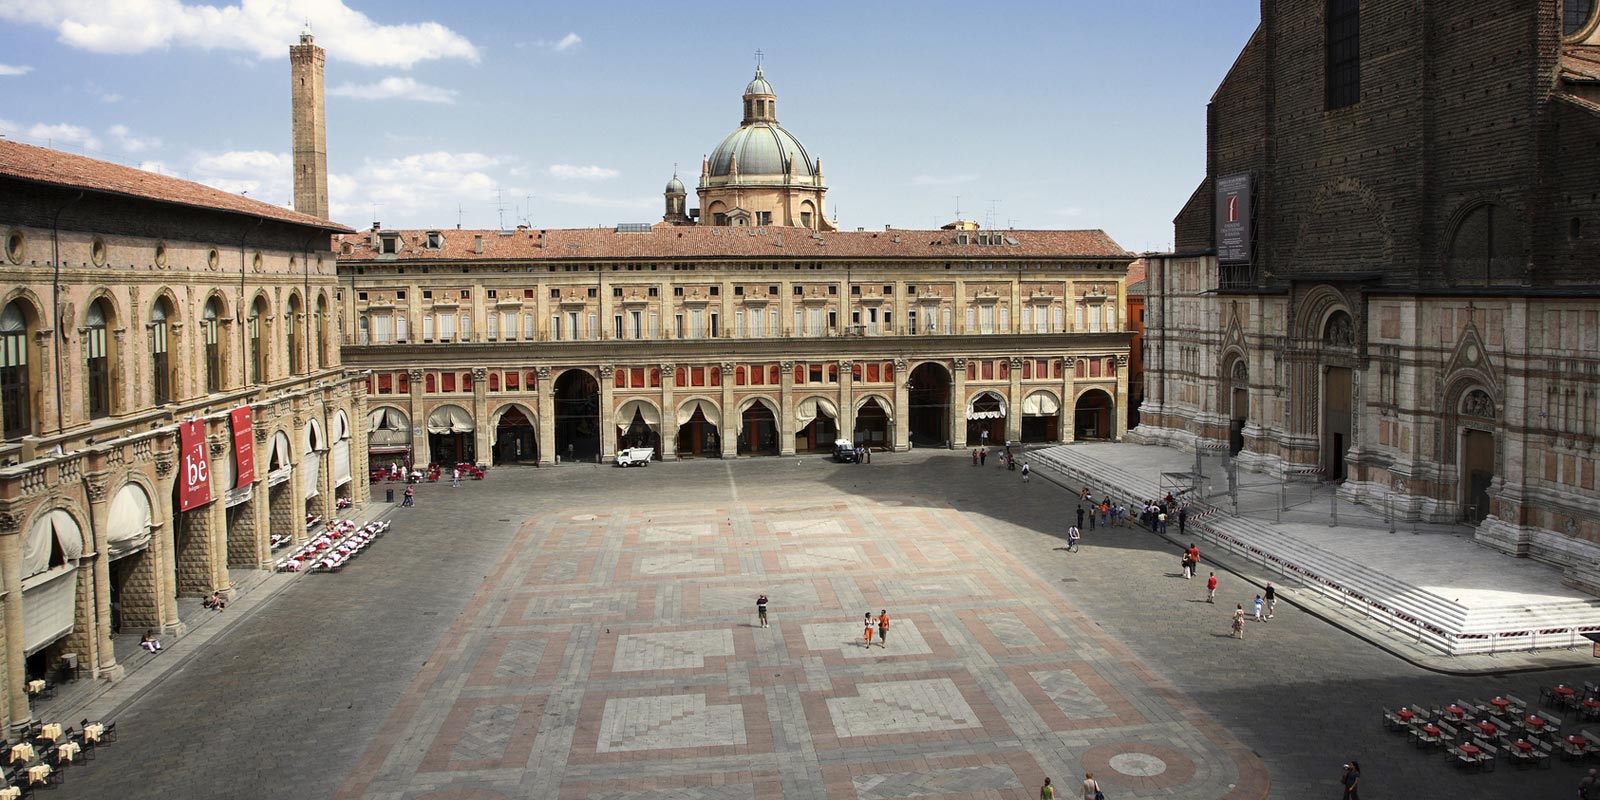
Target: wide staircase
[[1409, 611]]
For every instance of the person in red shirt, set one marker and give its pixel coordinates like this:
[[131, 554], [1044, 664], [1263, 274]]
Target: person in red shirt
[[883, 628], [1211, 588], [1194, 558]]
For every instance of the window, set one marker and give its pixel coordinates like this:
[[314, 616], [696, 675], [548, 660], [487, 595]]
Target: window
[[291, 324], [209, 323], [160, 366], [805, 219], [16, 407], [99, 363], [434, 240], [391, 245], [763, 217], [258, 353], [1575, 16], [1342, 80]]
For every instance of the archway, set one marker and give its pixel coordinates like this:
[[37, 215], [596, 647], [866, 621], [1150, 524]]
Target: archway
[[1338, 334], [1092, 415], [758, 428], [388, 438], [639, 425], [515, 436], [50, 588], [1238, 396], [872, 424], [133, 565], [450, 436], [314, 443], [928, 405], [816, 425], [986, 418], [343, 481], [1041, 417], [1476, 416], [699, 424], [284, 524], [576, 397]]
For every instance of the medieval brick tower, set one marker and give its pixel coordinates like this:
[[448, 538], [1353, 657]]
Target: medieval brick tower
[[310, 128]]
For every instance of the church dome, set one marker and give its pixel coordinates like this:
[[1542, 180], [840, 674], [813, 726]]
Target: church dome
[[675, 186], [762, 148], [759, 85]]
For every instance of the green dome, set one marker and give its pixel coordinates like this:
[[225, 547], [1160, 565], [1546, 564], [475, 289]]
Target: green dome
[[763, 148], [759, 85]]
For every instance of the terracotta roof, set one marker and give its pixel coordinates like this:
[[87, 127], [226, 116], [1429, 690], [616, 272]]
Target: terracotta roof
[[1136, 270], [665, 241], [1136, 288], [42, 165], [1580, 63]]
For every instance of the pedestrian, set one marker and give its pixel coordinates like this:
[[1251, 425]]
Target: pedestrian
[[1588, 788], [1161, 522], [866, 635], [1183, 520], [1272, 599], [1105, 511], [983, 455], [883, 628], [1352, 780], [1025, 471], [455, 478], [1092, 515], [974, 456], [1238, 620], [1080, 516], [761, 610], [1091, 788], [983, 437], [867, 451], [411, 497], [1211, 589], [1048, 792], [1259, 618], [1194, 558], [1073, 535]]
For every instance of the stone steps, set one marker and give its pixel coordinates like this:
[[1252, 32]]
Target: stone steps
[[1408, 610]]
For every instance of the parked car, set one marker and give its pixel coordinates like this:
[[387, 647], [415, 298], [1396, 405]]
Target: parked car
[[844, 451], [635, 456]]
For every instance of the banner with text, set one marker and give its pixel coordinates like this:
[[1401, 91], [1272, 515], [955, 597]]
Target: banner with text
[[1233, 219], [244, 448], [194, 473]]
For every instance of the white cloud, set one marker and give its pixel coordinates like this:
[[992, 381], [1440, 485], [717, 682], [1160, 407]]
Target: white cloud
[[158, 167], [130, 143], [110, 97], [395, 87], [265, 176], [57, 135], [589, 172], [6, 70], [568, 42], [588, 200], [943, 180], [261, 28]]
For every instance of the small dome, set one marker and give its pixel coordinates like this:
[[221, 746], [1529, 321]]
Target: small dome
[[763, 148], [759, 85], [675, 186]]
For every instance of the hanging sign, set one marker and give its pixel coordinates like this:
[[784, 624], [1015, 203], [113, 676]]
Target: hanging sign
[[244, 447], [194, 472]]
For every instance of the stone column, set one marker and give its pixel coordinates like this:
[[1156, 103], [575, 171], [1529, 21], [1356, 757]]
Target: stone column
[[1069, 399], [730, 413], [1014, 402], [788, 425], [100, 655], [669, 415], [420, 454], [482, 433], [261, 497], [547, 418], [847, 396], [1120, 413], [11, 604], [47, 400], [217, 514], [359, 457], [608, 413], [165, 538], [902, 407], [958, 403]]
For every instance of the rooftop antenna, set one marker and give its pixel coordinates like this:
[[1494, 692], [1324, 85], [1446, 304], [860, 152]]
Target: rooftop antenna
[[458, 216], [994, 206], [500, 206], [958, 208], [527, 205]]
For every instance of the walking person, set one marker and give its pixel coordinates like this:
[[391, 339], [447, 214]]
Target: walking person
[[1272, 599], [883, 628], [1183, 520], [1352, 781], [455, 478], [1259, 618], [1073, 535], [866, 635], [1211, 589], [1238, 620], [1025, 471], [1092, 515], [761, 610], [983, 455], [1080, 516], [1161, 522], [411, 497], [1047, 792], [1091, 788], [1194, 558], [974, 456], [1588, 788], [1105, 512]]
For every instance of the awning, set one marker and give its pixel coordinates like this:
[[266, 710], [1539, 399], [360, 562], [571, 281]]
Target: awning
[[388, 427], [811, 407], [450, 419], [745, 406], [56, 528], [639, 408], [311, 471], [707, 410], [48, 607], [1040, 404], [341, 462], [128, 522], [280, 465], [989, 411]]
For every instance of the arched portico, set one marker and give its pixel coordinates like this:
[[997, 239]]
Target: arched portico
[[515, 430], [639, 425], [1041, 417], [757, 427], [986, 414], [699, 428], [1093, 414]]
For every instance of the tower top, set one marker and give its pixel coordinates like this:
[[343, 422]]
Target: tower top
[[305, 33]]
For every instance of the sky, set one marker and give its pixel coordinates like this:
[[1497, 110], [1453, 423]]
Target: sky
[[1065, 114]]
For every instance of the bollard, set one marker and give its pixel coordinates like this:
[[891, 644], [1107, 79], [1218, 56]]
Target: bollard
[[388, 495]]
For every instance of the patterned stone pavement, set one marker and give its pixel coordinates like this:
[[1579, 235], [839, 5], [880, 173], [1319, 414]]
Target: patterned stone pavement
[[615, 654]]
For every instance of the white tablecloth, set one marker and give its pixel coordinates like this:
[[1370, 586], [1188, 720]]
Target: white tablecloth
[[39, 773], [93, 730], [51, 731], [10, 793], [21, 752], [68, 751], [35, 686]]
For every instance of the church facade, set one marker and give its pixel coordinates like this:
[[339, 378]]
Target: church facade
[[1389, 281]]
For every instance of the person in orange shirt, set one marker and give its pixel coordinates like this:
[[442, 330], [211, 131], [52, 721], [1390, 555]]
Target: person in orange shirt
[[866, 635], [883, 628]]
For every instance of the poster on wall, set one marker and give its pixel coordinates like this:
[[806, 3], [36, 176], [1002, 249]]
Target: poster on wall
[[194, 473], [1233, 218], [244, 453]]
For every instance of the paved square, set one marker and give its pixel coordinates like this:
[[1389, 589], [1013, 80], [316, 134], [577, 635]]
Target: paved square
[[901, 707], [663, 723]]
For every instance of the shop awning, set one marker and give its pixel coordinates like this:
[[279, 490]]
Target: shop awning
[[745, 406], [707, 410], [811, 407], [1041, 404], [341, 462], [56, 528], [450, 419], [311, 471], [986, 405], [642, 409], [128, 523], [48, 607]]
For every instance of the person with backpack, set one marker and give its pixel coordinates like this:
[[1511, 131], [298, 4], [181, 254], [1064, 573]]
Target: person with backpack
[[1091, 788]]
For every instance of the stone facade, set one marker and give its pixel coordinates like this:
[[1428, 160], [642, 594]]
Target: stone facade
[[124, 316], [1415, 317]]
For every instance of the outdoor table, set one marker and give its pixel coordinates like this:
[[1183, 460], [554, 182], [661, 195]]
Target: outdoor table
[[1577, 742], [1590, 702], [1487, 728], [11, 793], [68, 751], [1404, 714], [51, 731], [38, 773], [35, 686], [1456, 711], [1524, 745], [1431, 729], [21, 752], [1500, 703], [1536, 722], [93, 730], [1564, 691], [1470, 749]]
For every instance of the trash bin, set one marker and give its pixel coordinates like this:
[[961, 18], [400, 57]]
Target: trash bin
[[388, 495]]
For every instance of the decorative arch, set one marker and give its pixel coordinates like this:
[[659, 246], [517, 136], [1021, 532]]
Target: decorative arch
[[883, 402], [115, 315], [1311, 319], [281, 456], [974, 413], [1041, 402], [54, 538], [1486, 243], [638, 406], [711, 409], [314, 438], [174, 308], [130, 520], [500, 411], [750, 400], [32, 307]]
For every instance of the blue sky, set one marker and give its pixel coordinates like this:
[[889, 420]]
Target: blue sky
[[1068, 114]]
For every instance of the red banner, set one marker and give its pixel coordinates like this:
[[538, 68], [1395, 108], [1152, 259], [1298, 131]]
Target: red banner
[[194, 472], [244, 448]]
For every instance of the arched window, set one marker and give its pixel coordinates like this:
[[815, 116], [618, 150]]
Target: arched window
[[1575, 15], [1485, 248], [209, 323], [160, 366], [96, 353], [291, 324], [258, 352], [322, 332], [16, 401]]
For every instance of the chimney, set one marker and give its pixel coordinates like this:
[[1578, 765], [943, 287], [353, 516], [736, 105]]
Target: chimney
[[477, 244], [376, 226], [886, 226], [541, 240]]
